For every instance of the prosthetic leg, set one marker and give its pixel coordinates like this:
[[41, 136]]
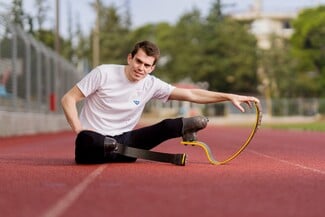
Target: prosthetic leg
[[92, 147]]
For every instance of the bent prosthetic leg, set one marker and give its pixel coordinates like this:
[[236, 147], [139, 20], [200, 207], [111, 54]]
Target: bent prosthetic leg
[[206, 148]]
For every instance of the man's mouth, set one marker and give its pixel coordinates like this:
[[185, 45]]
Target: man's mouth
[[138, 74]]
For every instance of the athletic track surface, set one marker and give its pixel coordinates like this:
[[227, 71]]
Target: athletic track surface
[[281, 173]]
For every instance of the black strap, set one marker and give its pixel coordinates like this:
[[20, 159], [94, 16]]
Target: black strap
[[178, 159]]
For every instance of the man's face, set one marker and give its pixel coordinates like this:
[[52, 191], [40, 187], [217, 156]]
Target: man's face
[[140, 65]]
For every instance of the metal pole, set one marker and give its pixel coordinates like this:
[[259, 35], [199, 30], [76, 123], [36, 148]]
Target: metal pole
[[96, 48], [57, 66], [13, 65], [57, 27]]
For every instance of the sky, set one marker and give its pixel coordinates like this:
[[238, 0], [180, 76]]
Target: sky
[[153, 11]]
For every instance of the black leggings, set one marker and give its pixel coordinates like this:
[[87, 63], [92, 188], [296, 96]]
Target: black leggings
[[90, 145]]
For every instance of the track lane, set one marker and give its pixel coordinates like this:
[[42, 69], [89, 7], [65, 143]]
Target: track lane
[[36, 176]]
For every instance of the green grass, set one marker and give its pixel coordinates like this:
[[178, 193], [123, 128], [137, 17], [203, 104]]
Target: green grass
[[314, 126]]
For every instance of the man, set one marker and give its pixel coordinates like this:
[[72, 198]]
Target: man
[[114, 98]]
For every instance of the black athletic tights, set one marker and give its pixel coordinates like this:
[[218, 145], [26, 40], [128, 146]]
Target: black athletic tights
[[90, 145]]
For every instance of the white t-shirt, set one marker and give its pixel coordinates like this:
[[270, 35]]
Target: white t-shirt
[[113, 104]]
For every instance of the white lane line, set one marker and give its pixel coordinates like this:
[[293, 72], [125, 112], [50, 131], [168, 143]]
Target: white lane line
[[290, 163], [72, 195]]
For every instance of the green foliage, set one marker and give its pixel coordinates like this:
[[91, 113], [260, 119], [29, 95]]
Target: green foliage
[[46, 36], [113, 35], [184, 50], [279, 72], [220, 51], [308, 44], [230, 62]]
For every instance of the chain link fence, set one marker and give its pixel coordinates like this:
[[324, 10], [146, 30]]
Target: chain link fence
[[32, 77], [286, 107], [298, 107]]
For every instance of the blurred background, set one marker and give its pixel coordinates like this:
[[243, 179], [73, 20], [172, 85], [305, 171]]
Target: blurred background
[[271, 49]]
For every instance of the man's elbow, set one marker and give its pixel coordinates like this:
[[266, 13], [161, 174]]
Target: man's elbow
[[65, 100]]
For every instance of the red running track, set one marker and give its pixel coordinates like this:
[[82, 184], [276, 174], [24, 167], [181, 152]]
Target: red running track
[[281, 173]]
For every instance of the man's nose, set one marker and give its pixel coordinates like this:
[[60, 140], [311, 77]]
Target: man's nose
[[141, 66]]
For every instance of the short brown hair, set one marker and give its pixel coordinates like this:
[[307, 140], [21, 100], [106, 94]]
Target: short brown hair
[[149, 48]]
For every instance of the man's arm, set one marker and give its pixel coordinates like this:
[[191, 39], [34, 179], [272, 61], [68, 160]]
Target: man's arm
[[69, 105], [204, 96]]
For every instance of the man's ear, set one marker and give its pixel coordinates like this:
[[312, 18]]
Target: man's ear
[[129, 58]]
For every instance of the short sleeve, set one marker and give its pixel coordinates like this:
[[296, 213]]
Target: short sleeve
[[163, 90], [90, 83]]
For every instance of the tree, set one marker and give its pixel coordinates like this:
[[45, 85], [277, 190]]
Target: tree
[[82, 48], [44, 35], [42, 9], [308, 44], [278, 70], [113, 35], [17, 13], [230, 58], [184, 49]]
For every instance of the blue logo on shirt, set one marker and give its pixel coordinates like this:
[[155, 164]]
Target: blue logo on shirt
[[137, 102]]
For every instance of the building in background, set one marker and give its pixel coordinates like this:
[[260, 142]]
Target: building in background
[[265, 25]]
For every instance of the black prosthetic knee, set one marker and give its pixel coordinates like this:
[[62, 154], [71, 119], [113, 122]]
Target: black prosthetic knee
[[92, 147]]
